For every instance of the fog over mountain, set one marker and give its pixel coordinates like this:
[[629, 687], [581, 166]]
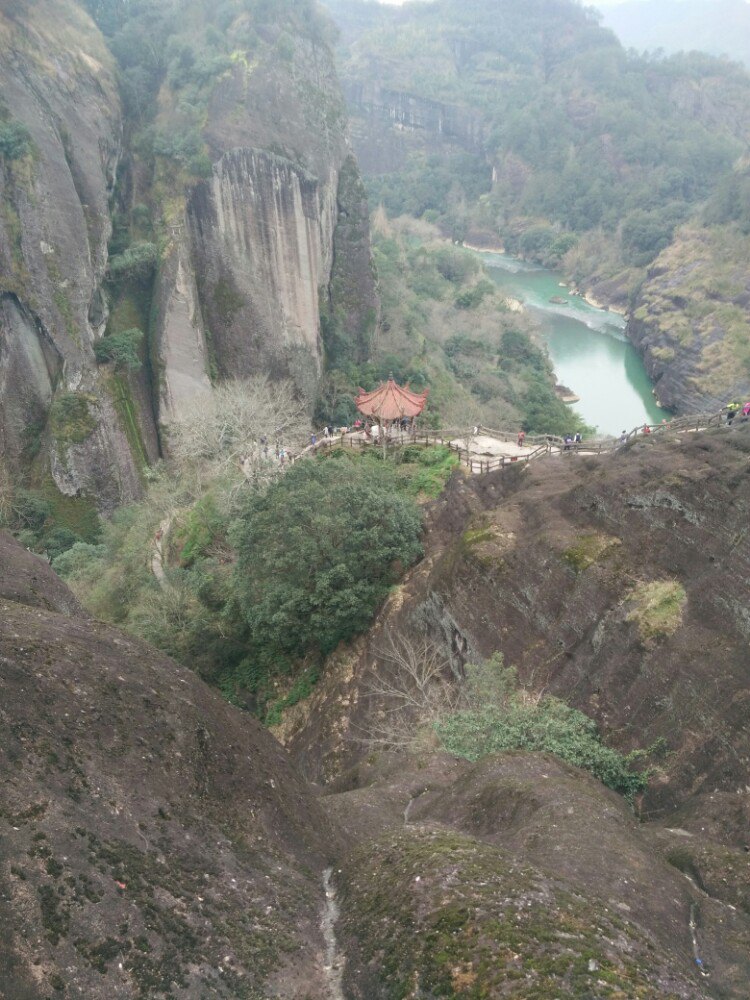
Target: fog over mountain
[[719, 27]]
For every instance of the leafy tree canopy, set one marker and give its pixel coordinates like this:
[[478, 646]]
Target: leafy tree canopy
[[318, 551]]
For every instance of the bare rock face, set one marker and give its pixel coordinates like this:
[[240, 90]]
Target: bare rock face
[[57, 83], [691, 320], [251, 269], [522, 876], [261, 232], [27, 579], [155, 840]]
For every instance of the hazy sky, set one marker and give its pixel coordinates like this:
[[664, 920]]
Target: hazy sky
[[592, 3]]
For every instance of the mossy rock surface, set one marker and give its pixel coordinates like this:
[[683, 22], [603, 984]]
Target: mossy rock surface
[[71, 417], [431, 913], [589, 549]]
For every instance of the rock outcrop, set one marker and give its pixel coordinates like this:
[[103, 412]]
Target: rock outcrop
[[559, 568], [155, 840], [243, 257], [390, 125], [256, 239], [515, 875], [58, 91], [692, 320]]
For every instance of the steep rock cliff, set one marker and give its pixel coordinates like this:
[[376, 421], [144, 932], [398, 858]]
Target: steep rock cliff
[[553, 567], [256, 238], [59, 94], [692, 320], [237, 253]]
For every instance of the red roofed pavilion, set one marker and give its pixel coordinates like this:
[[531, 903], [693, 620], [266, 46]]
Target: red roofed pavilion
[[391, 402]]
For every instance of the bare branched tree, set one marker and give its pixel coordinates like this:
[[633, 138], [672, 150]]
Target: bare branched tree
[[237, 427], [412, 689]]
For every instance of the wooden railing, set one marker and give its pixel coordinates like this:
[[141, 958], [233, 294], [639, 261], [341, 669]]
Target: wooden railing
[[543, 445]]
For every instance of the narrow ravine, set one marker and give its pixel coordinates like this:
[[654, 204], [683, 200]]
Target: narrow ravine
[[693, 925], [334, 962]]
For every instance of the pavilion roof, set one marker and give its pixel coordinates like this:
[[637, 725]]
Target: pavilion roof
[[391, 401]]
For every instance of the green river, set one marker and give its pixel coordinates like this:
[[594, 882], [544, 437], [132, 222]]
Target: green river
[[588, 347]]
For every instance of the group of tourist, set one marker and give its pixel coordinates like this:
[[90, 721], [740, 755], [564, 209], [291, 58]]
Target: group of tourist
[[734, 408]]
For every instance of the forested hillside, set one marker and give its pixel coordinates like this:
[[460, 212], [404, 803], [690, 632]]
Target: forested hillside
[[530, 124]]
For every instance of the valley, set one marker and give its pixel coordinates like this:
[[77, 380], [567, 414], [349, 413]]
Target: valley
[[349, 649], [587, 346]]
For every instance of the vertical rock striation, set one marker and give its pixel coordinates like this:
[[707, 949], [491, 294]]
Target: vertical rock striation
[[247, 259], [261, 237], [58, 90], [264, 242]]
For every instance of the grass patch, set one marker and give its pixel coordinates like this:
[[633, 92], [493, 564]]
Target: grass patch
[[589, 549], [427, 470], [299, 691], [126, 410], [475, 536], [657, 607], [70, 418]]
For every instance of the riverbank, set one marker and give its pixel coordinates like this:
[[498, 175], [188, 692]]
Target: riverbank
[[587, 344], [605, 306], [564, 282]]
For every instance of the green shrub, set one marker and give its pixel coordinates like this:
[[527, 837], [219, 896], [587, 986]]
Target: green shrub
[[30, 510], [121, 349], [78, 560], [427, 470], [204, 525], [15, 140], [318, 551], [70, 417], [58, 541], [456, 265], [138, 261], [472, 297], [501, 716]]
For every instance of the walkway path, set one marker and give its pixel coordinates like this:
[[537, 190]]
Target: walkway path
[[480, 452]]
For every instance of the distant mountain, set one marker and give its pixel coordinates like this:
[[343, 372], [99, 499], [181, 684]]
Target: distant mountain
[[529, 124], [719, 27]]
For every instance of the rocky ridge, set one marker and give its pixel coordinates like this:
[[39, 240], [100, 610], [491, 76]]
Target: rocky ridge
[[691, 320], [155, 841], [57, 81], [242, 256]]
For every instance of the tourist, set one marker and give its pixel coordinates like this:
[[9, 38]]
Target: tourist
[[521, 437], [624, 437], [568, 442], [646, 429], [746, 411], [577, 439], [732, 410]]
